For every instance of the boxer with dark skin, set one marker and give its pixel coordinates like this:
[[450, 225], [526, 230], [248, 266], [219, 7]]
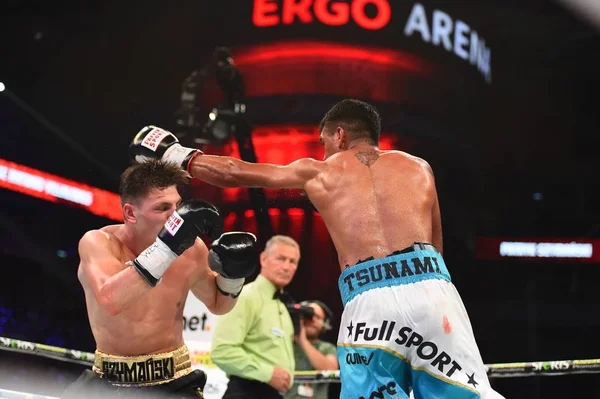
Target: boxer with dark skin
[[387, 196], [382, 211]]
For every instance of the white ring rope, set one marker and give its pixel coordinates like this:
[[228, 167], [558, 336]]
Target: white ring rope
[[498, 370]]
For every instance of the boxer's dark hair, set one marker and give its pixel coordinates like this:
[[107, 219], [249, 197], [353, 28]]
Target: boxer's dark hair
[[357, 118], [138, 179]]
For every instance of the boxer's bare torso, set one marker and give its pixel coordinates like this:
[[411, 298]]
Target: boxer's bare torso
[[376, 202], [373, 202], [153, 324]]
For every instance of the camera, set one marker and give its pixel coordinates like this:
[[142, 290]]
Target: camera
[[303, 310], [297, 312]]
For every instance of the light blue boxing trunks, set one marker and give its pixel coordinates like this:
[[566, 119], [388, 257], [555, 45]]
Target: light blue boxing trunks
[[404, 328]]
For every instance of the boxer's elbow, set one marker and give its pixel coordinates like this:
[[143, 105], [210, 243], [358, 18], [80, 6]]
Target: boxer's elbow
[[219, 310], [225, 308], [212, 306], [113, 310], [107, 302], [109, 307], [222, 305]]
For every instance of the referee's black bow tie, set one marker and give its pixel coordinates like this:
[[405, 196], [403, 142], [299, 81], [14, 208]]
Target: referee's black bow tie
[[283, 296]]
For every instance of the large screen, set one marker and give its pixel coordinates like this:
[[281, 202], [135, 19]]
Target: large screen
[[540, 249]]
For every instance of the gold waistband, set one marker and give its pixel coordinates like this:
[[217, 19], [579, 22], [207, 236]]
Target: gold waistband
[[145, 370]]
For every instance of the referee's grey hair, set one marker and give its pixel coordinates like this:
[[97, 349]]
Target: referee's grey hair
[[281, 239]]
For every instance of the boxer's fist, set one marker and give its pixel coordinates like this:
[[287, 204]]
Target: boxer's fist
[[155, 143], [191, 219], [234, 256]]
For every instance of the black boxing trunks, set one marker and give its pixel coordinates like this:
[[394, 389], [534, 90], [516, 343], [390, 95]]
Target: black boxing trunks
[[161, 375]]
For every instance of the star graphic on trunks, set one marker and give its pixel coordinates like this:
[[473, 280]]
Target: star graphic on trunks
[[350, 327], [472, 380]]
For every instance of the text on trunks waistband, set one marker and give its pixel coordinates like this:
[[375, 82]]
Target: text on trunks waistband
[[396, 269]]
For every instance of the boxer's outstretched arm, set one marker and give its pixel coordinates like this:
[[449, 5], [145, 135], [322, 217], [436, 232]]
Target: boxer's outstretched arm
[[113, 284], [231, 172]]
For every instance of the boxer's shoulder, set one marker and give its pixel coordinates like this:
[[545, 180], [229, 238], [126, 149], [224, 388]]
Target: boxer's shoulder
[[105, 237], [408, 162], [95, 237], [405, 156], [108, 235], [310, 165], [111, 231]]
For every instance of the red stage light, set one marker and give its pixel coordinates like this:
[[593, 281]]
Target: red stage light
[[304, 52], [309, 67], [274, 212], [53, 188], [295, 212]]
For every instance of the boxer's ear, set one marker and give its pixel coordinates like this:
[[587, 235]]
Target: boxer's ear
[[129, 213], [341, 138]]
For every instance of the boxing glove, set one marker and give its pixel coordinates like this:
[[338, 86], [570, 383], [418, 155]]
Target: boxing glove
[[234, 256], [155, 143], [179, 233]]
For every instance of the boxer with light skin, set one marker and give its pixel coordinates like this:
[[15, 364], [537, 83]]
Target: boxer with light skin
[[136, 277]]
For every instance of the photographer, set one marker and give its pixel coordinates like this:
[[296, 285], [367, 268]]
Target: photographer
[[310, 353], [253, 343]]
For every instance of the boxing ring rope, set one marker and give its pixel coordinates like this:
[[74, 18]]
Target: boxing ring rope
[[53, 352], [497, 370], [6, 394]]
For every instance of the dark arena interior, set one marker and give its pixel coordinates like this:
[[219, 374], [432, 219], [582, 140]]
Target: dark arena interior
[[496, 95]]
